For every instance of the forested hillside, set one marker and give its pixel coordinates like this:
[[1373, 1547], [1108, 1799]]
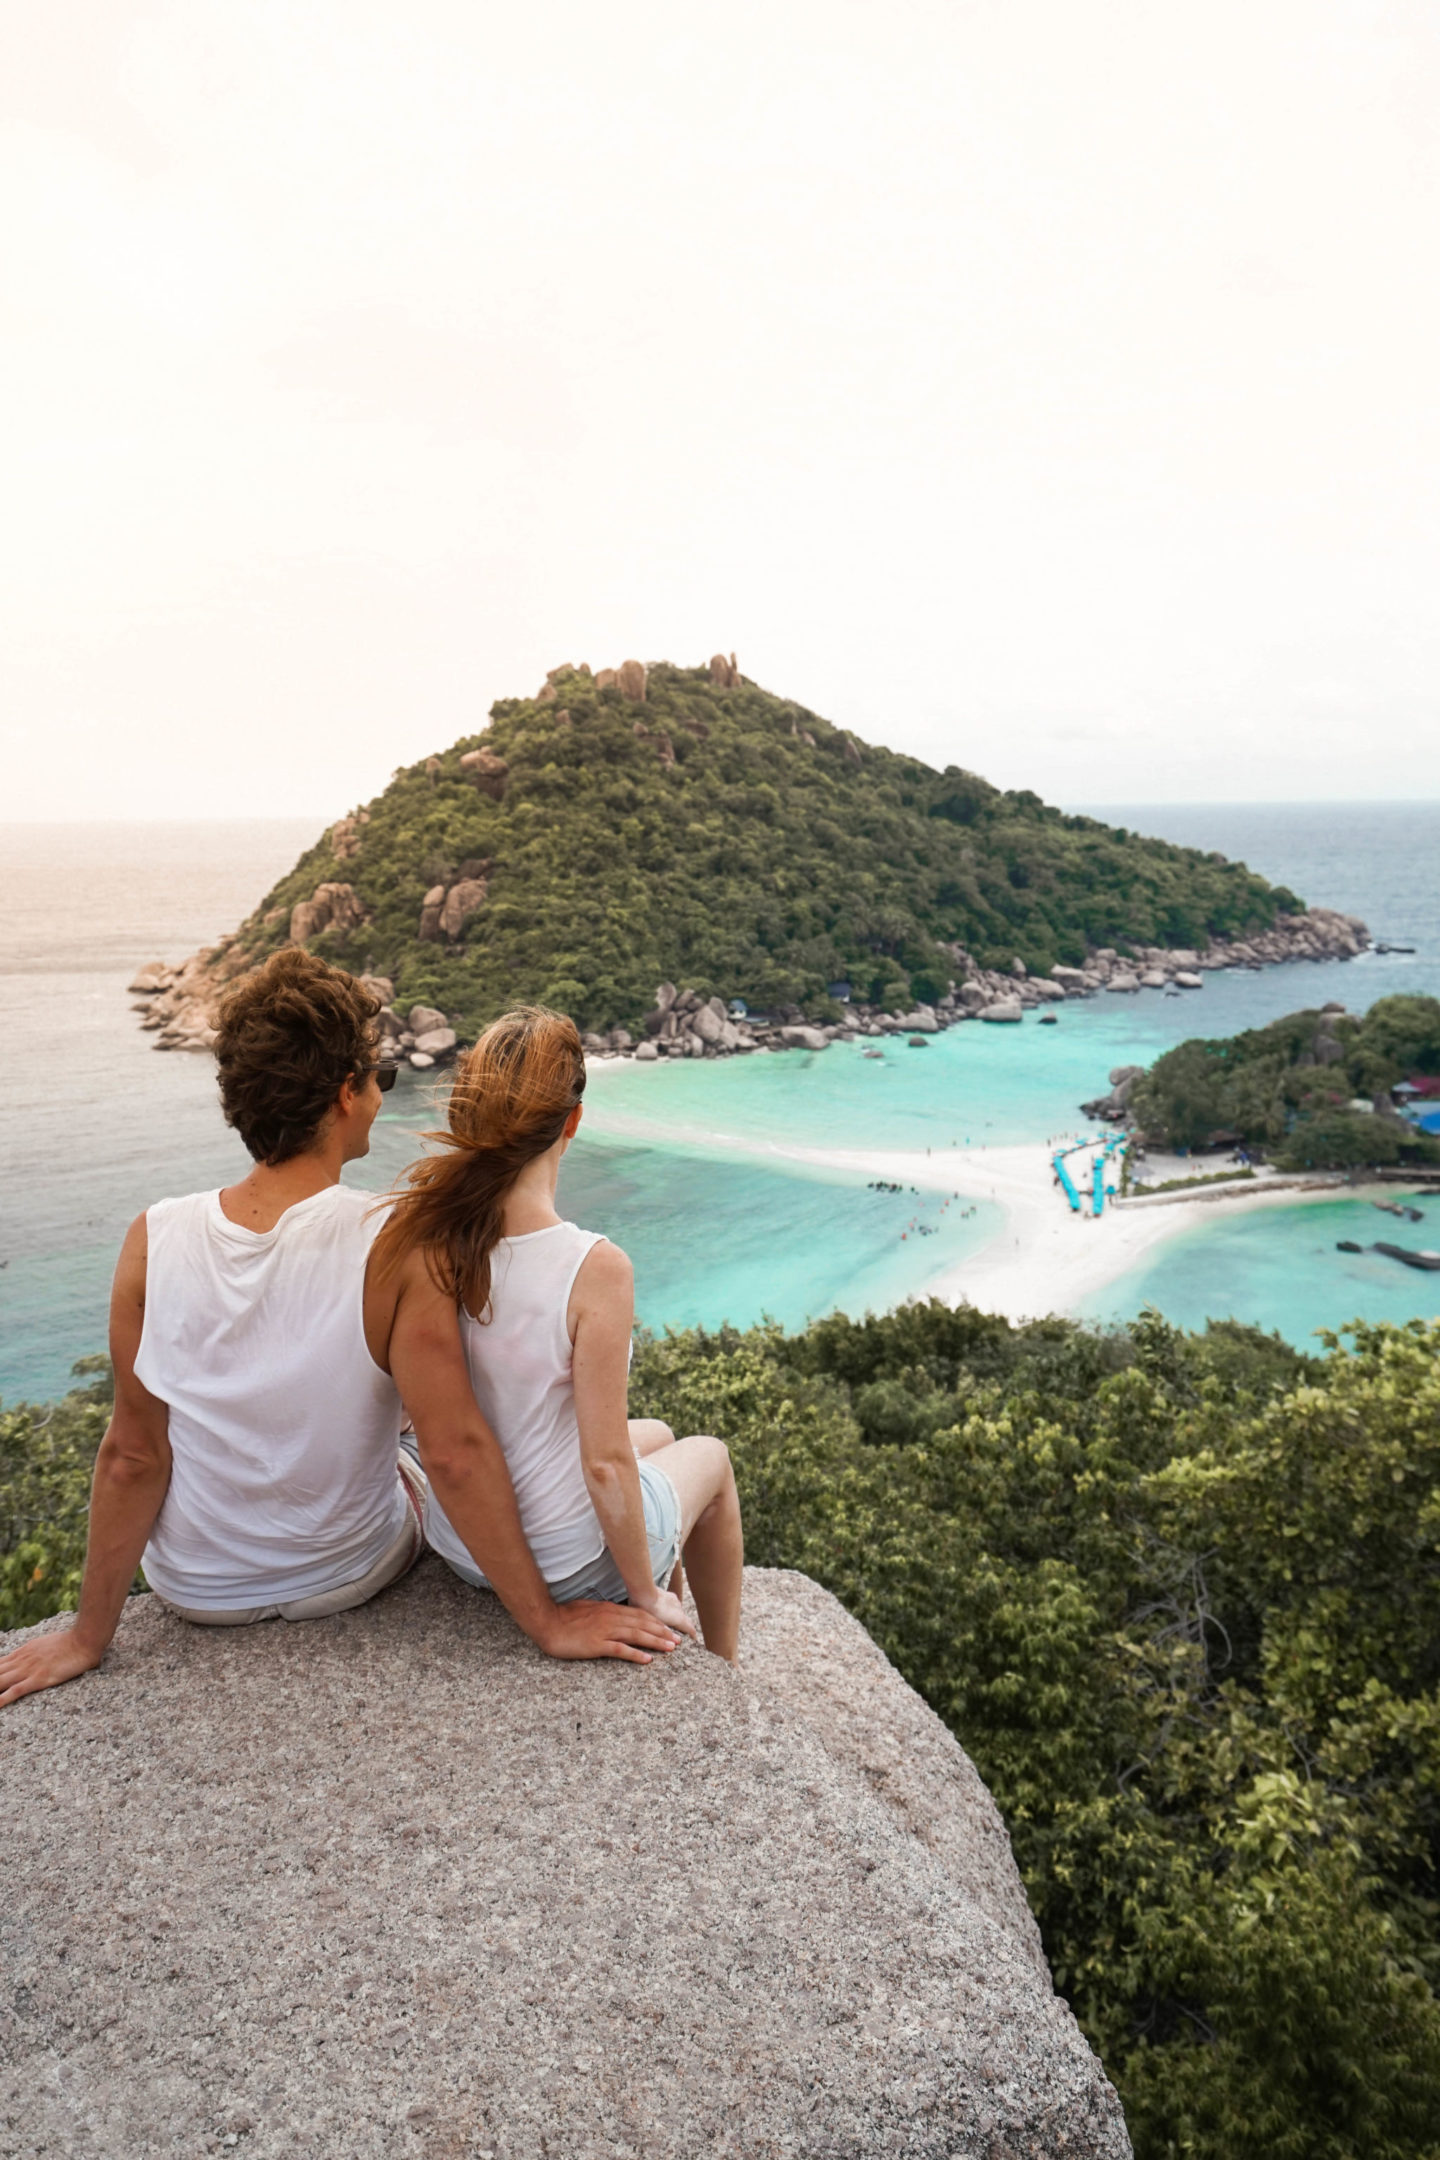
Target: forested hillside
[[1176, 1595], [618, 831], [1311, 1090]]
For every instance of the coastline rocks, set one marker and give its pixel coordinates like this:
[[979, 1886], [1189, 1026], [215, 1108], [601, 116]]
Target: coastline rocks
[[1124, 984], [804, 1038], [1187, 979], [423, 1018], [433, 1044], [1004, 1010], [152, 979], [274, 1884]]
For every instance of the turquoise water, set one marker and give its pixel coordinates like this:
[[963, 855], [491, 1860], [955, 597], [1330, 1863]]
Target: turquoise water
[[1279, 1267], [715, 1239], [94, 1125]]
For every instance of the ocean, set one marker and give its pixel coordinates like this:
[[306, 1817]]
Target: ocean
[[95, 1123]]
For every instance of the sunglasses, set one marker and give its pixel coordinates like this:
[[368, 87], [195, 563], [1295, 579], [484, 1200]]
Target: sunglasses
[[385, 1077]]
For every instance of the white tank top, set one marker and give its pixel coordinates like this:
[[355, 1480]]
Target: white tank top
[[519, 1360], [283, 1430]]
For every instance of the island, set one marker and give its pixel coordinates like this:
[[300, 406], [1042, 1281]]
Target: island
[[681, 859]]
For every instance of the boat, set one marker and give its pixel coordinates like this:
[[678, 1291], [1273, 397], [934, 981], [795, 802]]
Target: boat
[[1428, 1260]]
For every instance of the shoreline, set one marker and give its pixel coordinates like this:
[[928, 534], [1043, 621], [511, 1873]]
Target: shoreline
[[1043, 1259]]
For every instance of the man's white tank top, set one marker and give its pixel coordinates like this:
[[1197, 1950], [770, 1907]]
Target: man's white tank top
[[283, 1430], [519, 1360]]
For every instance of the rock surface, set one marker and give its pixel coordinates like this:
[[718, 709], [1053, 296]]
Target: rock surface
[[395, 1884]]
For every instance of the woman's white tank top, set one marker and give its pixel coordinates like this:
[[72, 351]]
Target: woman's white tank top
[[283, 1430], [519, 1360]]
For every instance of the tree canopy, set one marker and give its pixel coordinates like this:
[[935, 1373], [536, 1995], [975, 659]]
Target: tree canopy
[[1290, 1088]]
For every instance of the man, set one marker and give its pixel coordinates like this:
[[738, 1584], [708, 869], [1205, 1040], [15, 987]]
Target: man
[[252, 1460]]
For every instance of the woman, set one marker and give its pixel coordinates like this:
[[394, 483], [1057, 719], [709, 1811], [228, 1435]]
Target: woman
[[547, 1311]]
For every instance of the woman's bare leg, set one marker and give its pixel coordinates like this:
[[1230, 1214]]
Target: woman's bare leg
[[711, 1536], [649, 1433]]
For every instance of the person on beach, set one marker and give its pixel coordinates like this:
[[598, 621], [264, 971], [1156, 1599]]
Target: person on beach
[[253, 1457], [547, 1312]]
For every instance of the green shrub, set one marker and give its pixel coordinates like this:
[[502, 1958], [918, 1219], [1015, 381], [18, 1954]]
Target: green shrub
[[47, 1452], [1180, 1599]]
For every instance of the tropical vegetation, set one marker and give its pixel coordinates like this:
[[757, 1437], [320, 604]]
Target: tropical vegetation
[[1311, 1090]]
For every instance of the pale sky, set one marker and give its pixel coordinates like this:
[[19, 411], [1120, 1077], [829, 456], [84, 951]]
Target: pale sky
[[1047, 386]]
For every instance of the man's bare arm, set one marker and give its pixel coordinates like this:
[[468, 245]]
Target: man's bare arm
[[463, 1462], [132, 1475]]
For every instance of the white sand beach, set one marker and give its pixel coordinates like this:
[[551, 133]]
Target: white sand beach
[[1044, 1258]]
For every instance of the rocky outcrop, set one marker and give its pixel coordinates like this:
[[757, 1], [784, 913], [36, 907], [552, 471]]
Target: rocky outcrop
[[395, 1884], [724, 673], [331, 907], [630, 679], [1114, 1108], [487, 771]]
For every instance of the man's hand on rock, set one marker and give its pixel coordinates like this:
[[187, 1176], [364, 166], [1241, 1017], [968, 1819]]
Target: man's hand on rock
[[45, 1661], [590, 1629]]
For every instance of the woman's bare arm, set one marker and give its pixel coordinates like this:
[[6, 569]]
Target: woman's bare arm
[[602, 1320], [132, 1476]]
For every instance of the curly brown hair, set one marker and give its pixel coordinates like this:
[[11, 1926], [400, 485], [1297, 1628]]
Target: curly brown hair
[[290, 1034]]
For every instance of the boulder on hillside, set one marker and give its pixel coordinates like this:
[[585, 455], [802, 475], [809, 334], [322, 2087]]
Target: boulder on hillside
[[394, 1883], [488, 771], [630, 677], [460, 904], [423, 1018], [332, 906], [430, 908]]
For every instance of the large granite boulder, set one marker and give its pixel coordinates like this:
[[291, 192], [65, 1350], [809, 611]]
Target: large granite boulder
[[396, 1884]]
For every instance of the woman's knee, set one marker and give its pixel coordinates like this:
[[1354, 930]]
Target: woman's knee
[[647, 1434], [712, 1459]]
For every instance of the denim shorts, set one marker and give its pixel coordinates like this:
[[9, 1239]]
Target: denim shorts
[[600, 1578]]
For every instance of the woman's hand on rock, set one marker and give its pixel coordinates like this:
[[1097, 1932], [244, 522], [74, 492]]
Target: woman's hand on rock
[[589, 1628], [667, 1610]]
